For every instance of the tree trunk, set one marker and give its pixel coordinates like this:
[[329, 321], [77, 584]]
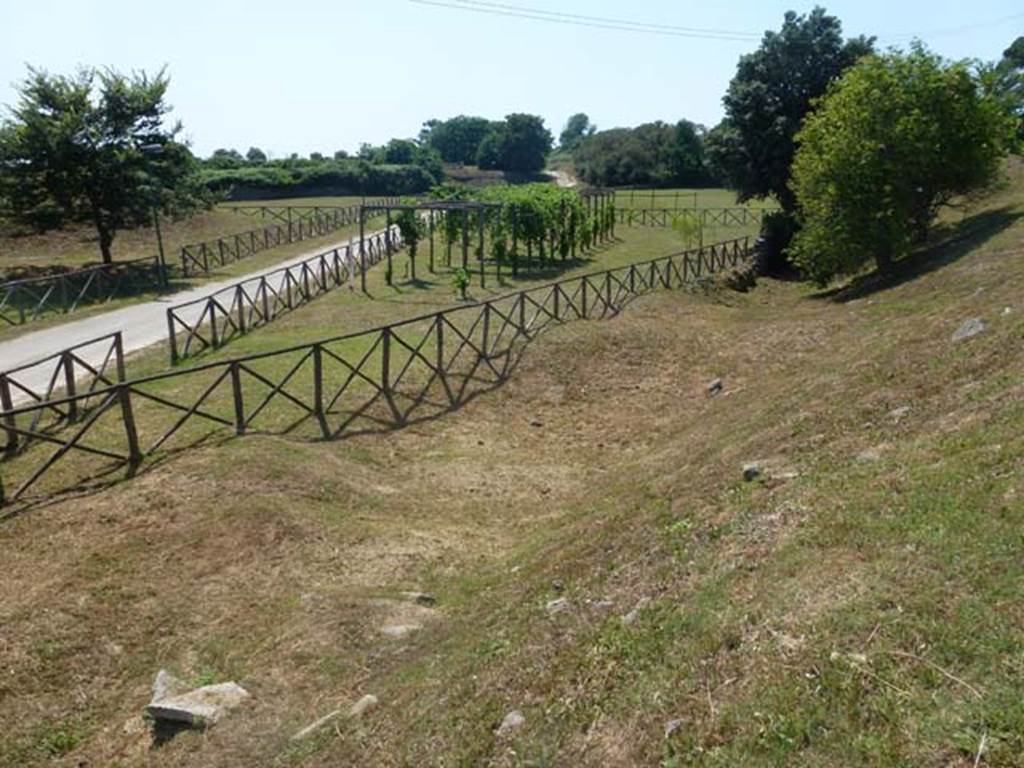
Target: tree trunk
[[883, 259], [106, 233]]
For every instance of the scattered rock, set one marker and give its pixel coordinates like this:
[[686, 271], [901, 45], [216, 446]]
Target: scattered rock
[[742, 278], [316, 725], [672, 726], [556, 606], [166, 685], [364, 705], [602, 605], [1007, 311], [512, 721], [536, 423], [557, 585], [969, 328], [715, 387], [200, 707], [898, 413], [869, 455], [751, 472], [633, 615], [420, 598], [399, 631]]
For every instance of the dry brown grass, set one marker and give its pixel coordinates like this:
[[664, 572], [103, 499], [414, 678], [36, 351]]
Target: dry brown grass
[[276, 563]]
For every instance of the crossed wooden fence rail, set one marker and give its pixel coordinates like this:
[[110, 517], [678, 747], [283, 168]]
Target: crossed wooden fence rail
[[29, 299], [66, 373], [200, 258], [214, 320], [667, 217], [365, 382]]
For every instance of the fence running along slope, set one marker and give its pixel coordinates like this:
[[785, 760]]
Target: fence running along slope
[[32, 298], [707, 217], [201, 258], [64, 375], [212, 321], [365, 382]]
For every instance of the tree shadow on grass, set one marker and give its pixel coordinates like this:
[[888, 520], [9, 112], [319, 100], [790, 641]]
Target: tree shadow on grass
[[955, 242]]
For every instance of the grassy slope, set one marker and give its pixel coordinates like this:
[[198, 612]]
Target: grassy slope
[[864, 612]]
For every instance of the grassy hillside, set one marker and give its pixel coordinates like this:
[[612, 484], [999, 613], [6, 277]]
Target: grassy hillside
[[858, 604]]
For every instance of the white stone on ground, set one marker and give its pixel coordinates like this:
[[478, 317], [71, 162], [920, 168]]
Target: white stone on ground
[[512, 721], [364, 705], [200, 707]]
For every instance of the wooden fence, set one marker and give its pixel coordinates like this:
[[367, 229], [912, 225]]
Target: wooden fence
[[366, 382], [667, 217], [30, 299], [64, 375], [201, 258], [214, 320]]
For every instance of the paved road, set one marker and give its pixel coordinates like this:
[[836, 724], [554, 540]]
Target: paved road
[[141, 325]]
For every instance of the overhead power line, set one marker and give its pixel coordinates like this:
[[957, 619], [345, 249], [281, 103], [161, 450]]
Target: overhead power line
[[598, 22], [657, 28]]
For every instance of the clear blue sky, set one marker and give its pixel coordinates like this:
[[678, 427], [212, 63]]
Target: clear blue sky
[[321, 75]]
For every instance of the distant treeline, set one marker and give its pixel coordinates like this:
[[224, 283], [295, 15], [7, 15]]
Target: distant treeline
[[653, 154]]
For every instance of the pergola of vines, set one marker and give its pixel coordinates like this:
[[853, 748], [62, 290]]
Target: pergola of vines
[[433, 211], [589, 221]]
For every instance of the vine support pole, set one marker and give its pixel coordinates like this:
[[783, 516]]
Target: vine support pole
[[362, 248]]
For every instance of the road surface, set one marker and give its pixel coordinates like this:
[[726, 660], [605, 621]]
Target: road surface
[[141, 325]]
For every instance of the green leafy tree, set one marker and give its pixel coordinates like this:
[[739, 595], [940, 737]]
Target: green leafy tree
[[226, 158], [488, 155], [412, 228], [895, 138], [256, 156], [577, 128], [73, 151], [524, 143], [1005, 81], [772, 91], [456, 139], [652, 154]]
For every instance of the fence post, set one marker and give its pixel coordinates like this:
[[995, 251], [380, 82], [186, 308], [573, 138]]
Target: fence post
[[318, 390], [608, 291], [583, 291], [385, 372], [213, 323], [265, 300], [522, 314], [6, 404], [241, 310], [487, 330], [128, 417], [172, 338], [67, 362], [236, 393]]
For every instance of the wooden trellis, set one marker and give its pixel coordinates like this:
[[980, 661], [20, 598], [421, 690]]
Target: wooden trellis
[[434, 210]]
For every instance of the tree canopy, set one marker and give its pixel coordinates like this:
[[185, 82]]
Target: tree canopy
[[653, 154], [772, 91], [895, 138], [95, 147], [456, 139], [577, 128], [520, 144]]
